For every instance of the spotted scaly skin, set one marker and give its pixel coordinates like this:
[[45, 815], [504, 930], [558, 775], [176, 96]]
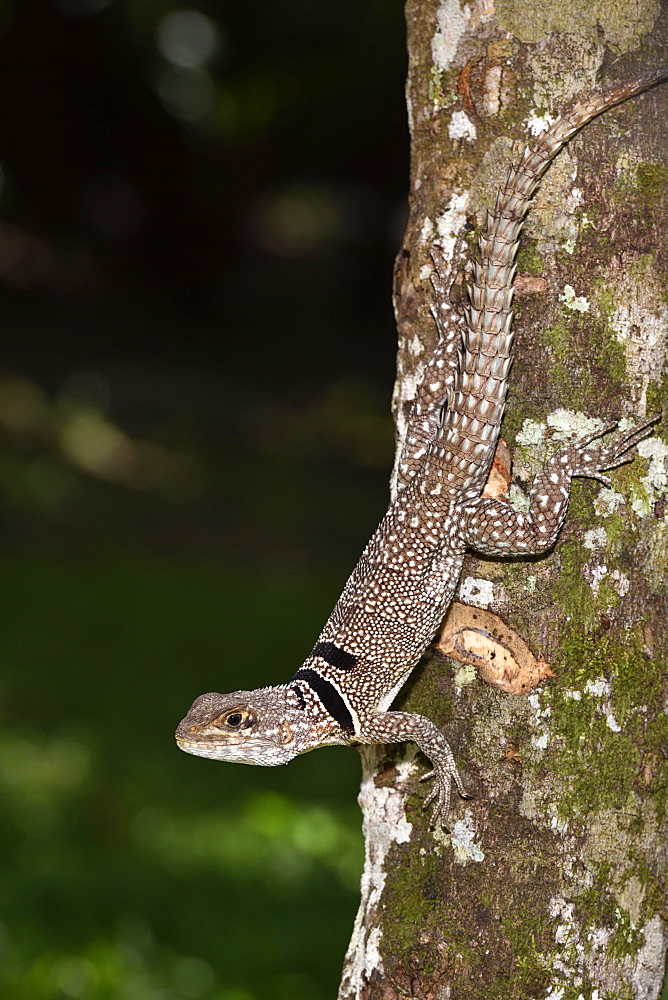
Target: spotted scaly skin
[[400, 589]]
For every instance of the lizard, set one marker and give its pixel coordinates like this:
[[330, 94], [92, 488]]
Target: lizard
[[400, 590]]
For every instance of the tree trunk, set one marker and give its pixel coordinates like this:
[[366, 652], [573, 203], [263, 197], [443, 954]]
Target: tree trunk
[[553, 882]]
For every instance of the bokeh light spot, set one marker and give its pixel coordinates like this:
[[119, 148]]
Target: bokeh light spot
[[76, 976], [187, 38]]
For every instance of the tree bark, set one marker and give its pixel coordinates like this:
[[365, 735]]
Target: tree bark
[[552, 884]]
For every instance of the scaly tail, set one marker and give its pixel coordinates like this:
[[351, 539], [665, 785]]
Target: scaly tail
[[464, 447]]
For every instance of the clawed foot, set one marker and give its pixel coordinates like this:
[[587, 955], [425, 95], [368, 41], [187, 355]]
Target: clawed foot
[[593, 462], [440, 793]]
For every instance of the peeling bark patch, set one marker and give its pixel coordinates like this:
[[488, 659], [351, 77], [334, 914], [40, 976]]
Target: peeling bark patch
[[527, 284], [498, 480], [483, 640]]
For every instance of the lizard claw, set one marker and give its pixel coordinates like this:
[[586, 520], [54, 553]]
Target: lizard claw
[[440, 793], [442, 807]]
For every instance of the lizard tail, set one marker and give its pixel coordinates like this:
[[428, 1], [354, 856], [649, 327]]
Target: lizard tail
[[471, 425]]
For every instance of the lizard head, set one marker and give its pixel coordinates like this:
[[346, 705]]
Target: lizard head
[[250, 727]]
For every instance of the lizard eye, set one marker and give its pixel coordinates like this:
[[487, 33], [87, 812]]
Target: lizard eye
[[240, 718]]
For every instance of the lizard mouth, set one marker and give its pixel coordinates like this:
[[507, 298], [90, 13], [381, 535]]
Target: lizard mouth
[[229, 749], [235, 750], [189, 741], [207, 741], [209, 748]]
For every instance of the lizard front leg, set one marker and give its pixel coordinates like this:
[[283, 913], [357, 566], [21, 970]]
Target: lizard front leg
[[492, 527], [400, 727]]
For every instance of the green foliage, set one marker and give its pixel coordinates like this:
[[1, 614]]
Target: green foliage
[[131, 870]]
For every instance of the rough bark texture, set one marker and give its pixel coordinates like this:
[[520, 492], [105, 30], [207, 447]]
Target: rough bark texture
[[553, 883]]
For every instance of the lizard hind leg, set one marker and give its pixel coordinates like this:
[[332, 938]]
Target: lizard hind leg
[[493, 527]]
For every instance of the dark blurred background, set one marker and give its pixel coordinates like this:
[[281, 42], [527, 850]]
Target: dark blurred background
[[200, 205]]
